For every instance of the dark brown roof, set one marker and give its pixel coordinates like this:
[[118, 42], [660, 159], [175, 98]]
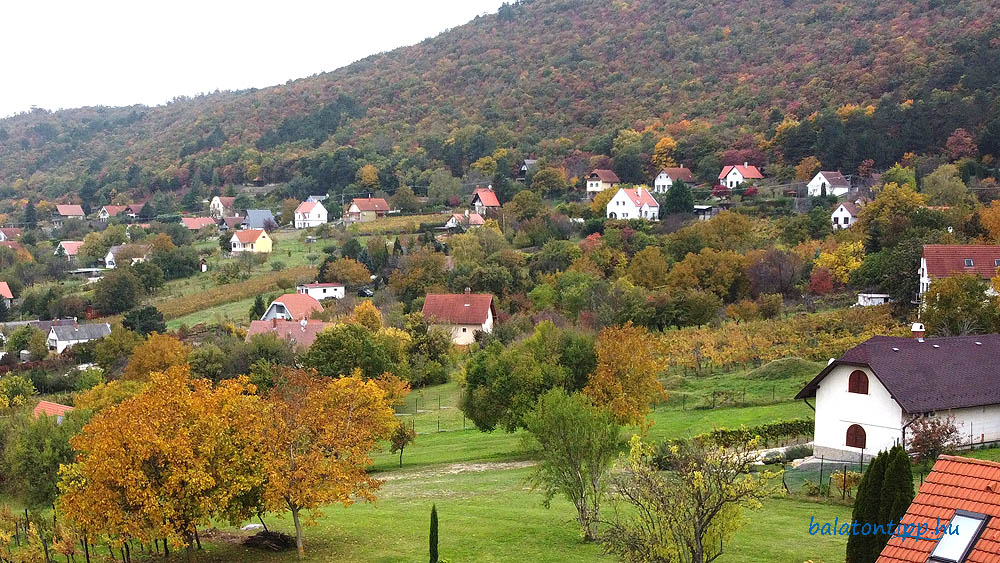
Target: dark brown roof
[[458, 308], [945, 260], [849, 206], [606, 175], [836, 179], [955, 483], [934, 375], [679, 173]]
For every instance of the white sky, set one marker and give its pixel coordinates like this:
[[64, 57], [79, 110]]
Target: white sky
[[65, 54]]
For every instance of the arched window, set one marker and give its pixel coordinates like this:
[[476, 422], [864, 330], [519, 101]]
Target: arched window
[[858, 382], [855, 436]]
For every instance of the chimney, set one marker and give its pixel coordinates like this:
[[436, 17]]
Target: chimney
[[745, 163], [638, 191], [918, 331], [468, 290], [274, 322], [303, 324]]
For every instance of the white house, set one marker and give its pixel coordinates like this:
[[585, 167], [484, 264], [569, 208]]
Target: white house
[[292, 307], [946, 260], [828, 182], [734, 175], [466, 221], [321, 291], [600, 180], [866, 399], [69, 248], [633, 204], [222, 206], [250, 240], [461, 314], [6, 294], [309, 214], [872, 299], [845, 215], [138, 254], [485, 200], [10, 233], [62, 336], [667, 176]]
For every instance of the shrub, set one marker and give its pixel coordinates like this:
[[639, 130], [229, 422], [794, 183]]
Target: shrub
[[798, 452], [277, 266]]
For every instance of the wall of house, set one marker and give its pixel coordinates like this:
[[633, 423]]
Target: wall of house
[[839, 216], [621, 207], [276, 311], [319, 294], [662, 183], [734, 178], [837, 409], [977, 424]]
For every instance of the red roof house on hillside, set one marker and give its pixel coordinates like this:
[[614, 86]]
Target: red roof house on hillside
[[64, 212], [601, 179], [946, 260], [962, 494], [198, 223], [10, 233], [301, 334], [48, 408], [6, 294], [665, 179], [460, 313], [292, 307], [734, 175], [633, 204], [366, 209]]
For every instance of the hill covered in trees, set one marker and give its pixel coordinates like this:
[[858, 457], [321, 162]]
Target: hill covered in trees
[[769, 81]]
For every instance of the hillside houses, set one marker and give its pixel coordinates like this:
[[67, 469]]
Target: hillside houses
[[10, 233], [485, 200], [64, 212], [130, 253], [259, 219], [599, 180], [310, 214], [68, 248], [250, 240], [828, 182], [66, 335], [365, 209], [844, 215], [320, 291], [946, 260], [635, 203], [198, 223], [461, 314], [292, 307], [465, 221], [301, 334], [108, 212], [735, 175], [667, 176]]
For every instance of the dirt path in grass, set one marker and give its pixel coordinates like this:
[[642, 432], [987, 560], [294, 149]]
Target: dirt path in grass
[[454, 469]]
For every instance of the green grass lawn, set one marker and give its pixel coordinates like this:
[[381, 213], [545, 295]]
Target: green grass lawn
[[235, 311]]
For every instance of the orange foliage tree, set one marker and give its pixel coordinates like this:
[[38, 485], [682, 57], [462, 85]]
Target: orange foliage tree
[[157, 353], [626, 379]]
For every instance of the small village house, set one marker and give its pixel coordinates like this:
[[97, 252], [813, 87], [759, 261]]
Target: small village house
[[365, 209], [229, 223], [6, 294], [10, 233], [465, 221], [667, 176], [48, 408], [310, 214], [599, 180], [866, 399], [259, 219], [135, 254], [873, 299], [706, 212], [734, 175], [64, 212], [68, 248], [461, 314], [528, 166], [109, 211], [251, 240], [636, 203], [222, 206], [198, 223], [827, 182], [300, 333], [64, 335], [485, 200], [292, 307], [321, 291], [945, 260], [844, 215]]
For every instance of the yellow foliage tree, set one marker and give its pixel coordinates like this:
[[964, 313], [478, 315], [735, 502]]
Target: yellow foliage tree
[[156, 354], [367, 315], [989, 218], [663, 152], [599, 206], [842, 261], [807, 168], [626, 379], [347, 271], [368, 176], [648, 268]]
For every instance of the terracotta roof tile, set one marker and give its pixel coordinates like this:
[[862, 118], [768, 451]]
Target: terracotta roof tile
[[292, 331], [679, 173], [196, 223], [249, 235], [487, 196], [371, 204], [299, 305], [49, 408], [606, 175], [5, 291], [944, 260], [748, 172], [70, 210], [640, 199], [306, 206], [458, 308]]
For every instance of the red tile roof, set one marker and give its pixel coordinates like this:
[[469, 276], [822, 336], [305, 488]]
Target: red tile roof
[[50, 409], [197, 223], [11, 232], [458, 308], [955, 483], [640, 199], [13, 245], [472, 219], [227, 201], [487, 196], [113, 210], [249, 235], [306, 206], [293, 331], [679, 173], [71, 246], [299, 305], [69, 210], [745, 171], [945, 260], [605, 175], [371, 204], [5, 291]]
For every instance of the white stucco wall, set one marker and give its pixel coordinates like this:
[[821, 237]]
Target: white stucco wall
[[837, 409], [733, 179], [662, 183], [321, 293], [839, 216], [815, 187]]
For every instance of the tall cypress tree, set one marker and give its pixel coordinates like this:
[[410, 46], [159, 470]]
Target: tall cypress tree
[[434, 534], [897, 492], [866, 510]]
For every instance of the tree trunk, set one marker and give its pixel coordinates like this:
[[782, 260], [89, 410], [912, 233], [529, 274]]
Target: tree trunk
[[261, 518], [401, 457], [298, 534], [197, 539], [86, 549]]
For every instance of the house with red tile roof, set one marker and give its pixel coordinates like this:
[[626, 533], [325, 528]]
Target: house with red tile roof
[[198, 223], [309, 214], [961, 495], [69, 248], [292, 307], [64, 212], [484, 200], [866, 399], [734, 175], [844, 215], [599, 180], [946, 260], [300, 333], [109, 211], [10, 233], [48, 408], [465, 221], [365, 209], [637, 203], [222, 206], [250, 240], [461, 314], [667, 176], [321, 291], [6, 294]]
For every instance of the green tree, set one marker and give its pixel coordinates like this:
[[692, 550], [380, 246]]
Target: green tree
[[577, 443], [118, 291], [208, 361], [944, 186], [549, 181], [339, 350], [525, 205], [20, 338], [30, 215], [678, 199], [958, 305], [258, 308], [862, 548], [402, 436], [434, 534], [35, 450], [897, 491], [442, 187], [38, 346], [145, 320], [405, 200]]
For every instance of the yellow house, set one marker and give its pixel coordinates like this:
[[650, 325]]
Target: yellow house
[[251, 240]]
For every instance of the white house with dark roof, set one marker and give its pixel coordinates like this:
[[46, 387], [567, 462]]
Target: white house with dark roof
[[844, 215], [665, 179], [599, 180], [65, 335], [828, 182], [866, 399]]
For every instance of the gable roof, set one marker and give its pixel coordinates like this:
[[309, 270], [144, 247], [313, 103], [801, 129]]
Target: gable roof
[[12, 244], [258, 218], [934, 375], [49, 408], [231, 222], [299, 305], [640, 199], [227, 201], [835, 178], [11, 232], [849, 206], [248, 235], [5, 291], [69, 210], [678, 173], [197, 223], [945, 260], [70, 246], [113, 210], [744, 170], [91, 331], [486, 196], [458, 308], [299, 334], [472, 219], [955, 483], [307, 206], [370, 204], [605, 175]]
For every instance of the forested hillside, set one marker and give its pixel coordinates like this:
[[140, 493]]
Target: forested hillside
[[771, 81]]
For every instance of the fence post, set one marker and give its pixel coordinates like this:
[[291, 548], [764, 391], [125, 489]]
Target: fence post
[[843, 491], [821, 471]]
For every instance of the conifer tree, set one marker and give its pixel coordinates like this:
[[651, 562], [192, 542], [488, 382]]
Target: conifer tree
[[897, 492], [258, 309], [434, 534], [866, 510]]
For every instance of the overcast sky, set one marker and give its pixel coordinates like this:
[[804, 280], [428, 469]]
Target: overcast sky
[[64, 54]]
